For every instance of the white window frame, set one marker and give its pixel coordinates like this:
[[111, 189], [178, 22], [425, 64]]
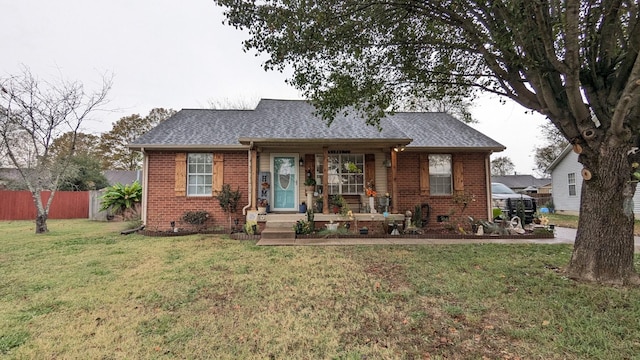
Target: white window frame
[[342, 181], [571, 182], [440, 174], [199, 174]]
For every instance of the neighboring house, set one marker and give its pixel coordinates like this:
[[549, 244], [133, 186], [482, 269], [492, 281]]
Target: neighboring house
[[417, 158], [525, 183], [124, 177], [567, 183]]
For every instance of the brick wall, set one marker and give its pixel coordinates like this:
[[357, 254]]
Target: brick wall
[[163, 206], [475, 184]]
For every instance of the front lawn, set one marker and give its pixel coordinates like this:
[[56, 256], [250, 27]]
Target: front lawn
[[571, 221], [84, 291]]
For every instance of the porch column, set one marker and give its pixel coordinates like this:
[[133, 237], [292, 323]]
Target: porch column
[[325, 180], [394, 182]]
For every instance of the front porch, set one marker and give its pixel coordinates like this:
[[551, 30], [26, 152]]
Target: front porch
[[282, 225]]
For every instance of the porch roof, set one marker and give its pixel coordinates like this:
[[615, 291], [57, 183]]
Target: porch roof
[[293, 122]]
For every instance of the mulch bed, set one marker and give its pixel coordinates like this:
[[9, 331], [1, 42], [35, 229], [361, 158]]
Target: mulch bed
[[425, 235], [429, 236], [178, 233]]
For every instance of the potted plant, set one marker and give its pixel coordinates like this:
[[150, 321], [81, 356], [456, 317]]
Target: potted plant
[[339, 204], [262, 206], [331, 226], [310, 184]]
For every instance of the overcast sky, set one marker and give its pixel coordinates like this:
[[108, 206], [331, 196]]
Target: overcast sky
[[177, 54]]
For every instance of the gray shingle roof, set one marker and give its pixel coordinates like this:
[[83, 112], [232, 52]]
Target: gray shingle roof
[[520, 181], [294, 120]]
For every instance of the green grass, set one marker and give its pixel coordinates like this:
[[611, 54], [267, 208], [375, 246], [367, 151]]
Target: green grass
[[84, 291], [571, 221]]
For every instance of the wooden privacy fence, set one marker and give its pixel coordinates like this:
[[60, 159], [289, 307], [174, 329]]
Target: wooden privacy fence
[[18, 205], [542, 199]]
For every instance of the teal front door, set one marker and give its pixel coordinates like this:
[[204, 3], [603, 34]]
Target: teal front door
[[285, 182]]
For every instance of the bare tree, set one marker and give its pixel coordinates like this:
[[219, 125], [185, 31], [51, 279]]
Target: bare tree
[[547, 154], [459, 107], [502, 166], [233, 104], [33, 114]]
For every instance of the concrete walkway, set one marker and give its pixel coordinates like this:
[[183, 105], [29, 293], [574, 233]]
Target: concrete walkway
[[562, 236]]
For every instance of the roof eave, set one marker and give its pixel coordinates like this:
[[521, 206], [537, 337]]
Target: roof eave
[[192, 147], [557, 160], [323, 141], [490, 149]]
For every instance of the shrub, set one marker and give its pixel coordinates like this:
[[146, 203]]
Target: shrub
[[195, 217], [120, 198], [303, 227], [250, 227], [416, 219], [229, 200]]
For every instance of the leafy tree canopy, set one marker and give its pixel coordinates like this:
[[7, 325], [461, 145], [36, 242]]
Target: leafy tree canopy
[[84, 173], [113, 145], [80, 143], [375, 55]]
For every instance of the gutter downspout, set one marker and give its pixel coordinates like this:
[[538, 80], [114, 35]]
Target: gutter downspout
[[250, 172], [487, 171], [145, 187]]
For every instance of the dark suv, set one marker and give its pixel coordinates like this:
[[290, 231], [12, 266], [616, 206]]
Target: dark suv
[[509, 201]]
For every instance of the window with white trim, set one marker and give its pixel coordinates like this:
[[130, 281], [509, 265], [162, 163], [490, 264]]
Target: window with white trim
[[440, 179], [199, 174], [346, 173], [571, 180]]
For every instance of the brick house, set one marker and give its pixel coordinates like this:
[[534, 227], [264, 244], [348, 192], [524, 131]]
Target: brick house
[[428, 159]]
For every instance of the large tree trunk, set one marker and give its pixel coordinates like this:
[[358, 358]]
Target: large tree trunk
[[604, 249], [41, 224], [42, 211]]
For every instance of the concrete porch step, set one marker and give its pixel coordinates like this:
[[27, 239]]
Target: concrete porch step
[[278, 233], [280, 227], [280, 224]]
